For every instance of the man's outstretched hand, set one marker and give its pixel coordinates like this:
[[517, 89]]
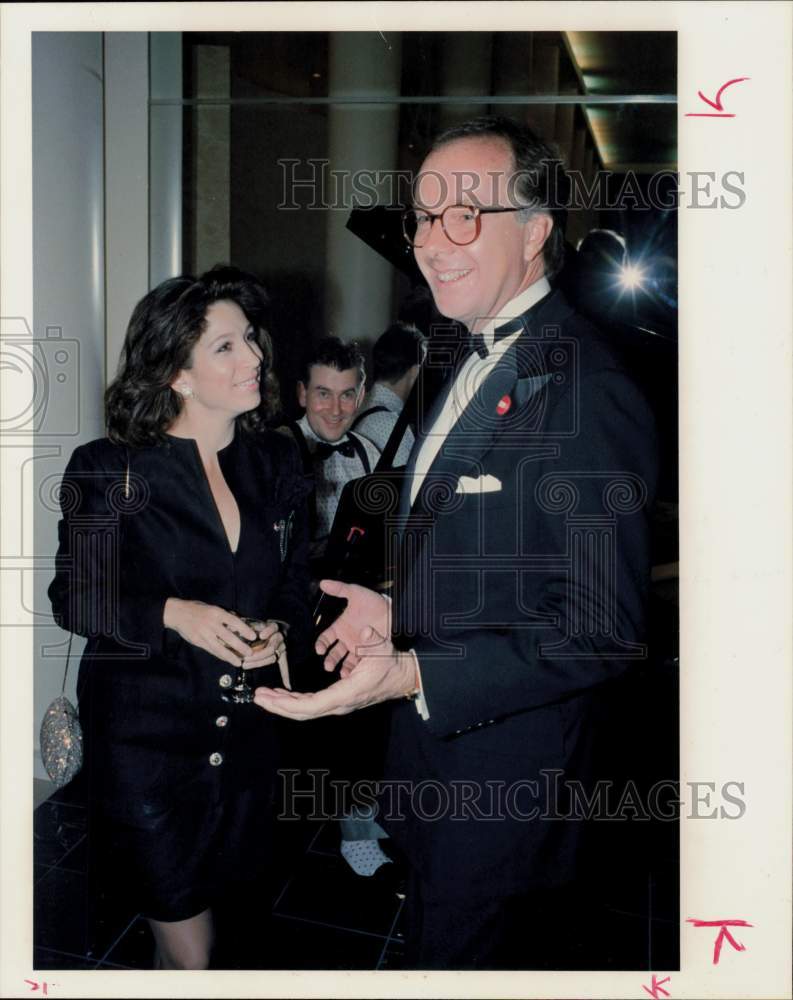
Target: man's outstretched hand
[[365, 609], [380, 673]]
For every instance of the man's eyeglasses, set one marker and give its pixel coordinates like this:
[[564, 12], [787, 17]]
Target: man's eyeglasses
[[461, 223]]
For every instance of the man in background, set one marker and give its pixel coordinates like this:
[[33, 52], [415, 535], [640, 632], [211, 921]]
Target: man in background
[[330, 391], [396, 361]]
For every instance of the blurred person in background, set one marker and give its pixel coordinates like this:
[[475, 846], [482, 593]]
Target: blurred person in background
[[396, 361]]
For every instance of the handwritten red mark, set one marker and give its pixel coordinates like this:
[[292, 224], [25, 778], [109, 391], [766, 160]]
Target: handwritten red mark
[[34, 986], [723, 933], [719, 107], [504, 406], [655, 990]]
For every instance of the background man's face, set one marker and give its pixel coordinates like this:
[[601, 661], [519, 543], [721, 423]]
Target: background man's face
[[330, 400], [473, 282]]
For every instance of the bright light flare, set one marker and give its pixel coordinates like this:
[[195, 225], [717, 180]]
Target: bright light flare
[[631, 276]]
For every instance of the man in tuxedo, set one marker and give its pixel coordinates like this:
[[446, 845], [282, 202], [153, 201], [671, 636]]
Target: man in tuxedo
[[330, 391], [524, 566]]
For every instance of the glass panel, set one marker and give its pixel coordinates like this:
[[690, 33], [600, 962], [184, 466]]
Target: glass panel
[[297, 64]]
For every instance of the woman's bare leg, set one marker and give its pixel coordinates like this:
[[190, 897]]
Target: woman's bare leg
[[183, 944]]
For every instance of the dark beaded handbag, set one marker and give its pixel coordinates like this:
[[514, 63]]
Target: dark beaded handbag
[[61, 738]]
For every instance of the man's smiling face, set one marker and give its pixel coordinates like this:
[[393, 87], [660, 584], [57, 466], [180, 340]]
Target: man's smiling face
[[471, 283], [330, 400]]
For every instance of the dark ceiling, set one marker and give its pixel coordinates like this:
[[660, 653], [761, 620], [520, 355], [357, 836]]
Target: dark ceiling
[[638, 136], [637, 133]]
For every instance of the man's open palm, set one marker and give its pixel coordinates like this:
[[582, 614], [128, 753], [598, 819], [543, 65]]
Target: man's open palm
[[343, 638]]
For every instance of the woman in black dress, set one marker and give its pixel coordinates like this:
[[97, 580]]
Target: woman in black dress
[[187, 518]]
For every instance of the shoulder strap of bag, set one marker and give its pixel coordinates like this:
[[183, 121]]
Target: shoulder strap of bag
[[308, 469], [66, 669], [302, 445], [386, 459]]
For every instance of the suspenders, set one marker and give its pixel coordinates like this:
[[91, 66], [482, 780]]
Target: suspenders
[[368, 413], [360, 451]]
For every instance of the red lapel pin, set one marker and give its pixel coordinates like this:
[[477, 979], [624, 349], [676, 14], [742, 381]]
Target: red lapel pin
[[503, 406]]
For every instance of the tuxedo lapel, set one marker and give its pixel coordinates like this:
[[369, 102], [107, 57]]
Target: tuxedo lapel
[[480, 423], [509, 391], [494, 410], [425, 424], [525, 388]]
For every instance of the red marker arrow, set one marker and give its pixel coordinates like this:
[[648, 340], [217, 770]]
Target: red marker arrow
[[718, 107], [717, 103], [724, 934]]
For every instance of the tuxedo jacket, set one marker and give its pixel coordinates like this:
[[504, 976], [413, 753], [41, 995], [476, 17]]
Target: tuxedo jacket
[[523, 571], [139, 526]]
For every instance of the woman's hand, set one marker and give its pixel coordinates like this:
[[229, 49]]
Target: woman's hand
[[268, 648], [210, 628], [272, 650]]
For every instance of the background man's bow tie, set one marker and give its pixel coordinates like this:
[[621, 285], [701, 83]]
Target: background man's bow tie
[[324, 449]]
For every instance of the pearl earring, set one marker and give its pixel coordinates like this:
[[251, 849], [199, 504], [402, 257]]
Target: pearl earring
[[185, 391]]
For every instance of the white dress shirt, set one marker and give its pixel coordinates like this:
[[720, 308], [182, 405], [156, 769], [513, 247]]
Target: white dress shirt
[[470, 377], [330, 478], [377, 427]]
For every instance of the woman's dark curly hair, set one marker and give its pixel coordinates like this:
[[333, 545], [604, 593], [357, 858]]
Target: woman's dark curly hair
[[140, 404]]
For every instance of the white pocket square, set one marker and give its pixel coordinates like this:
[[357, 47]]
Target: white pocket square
[[482, 484]]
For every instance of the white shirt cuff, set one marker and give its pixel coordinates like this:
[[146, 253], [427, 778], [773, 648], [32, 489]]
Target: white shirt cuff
[[419, 701]]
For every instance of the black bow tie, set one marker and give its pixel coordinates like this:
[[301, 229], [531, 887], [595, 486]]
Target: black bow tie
[[476, 342], [325, 449]]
